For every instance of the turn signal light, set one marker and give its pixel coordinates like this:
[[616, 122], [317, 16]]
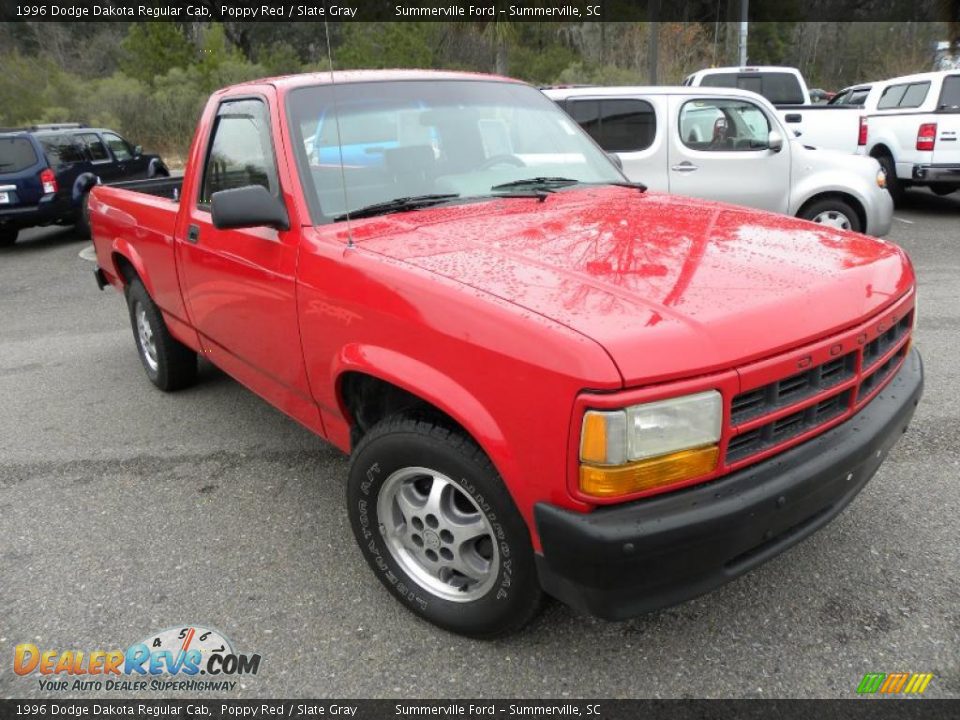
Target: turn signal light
[[927, 136], [613, 481]]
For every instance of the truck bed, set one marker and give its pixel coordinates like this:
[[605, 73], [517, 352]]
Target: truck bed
[[167, 187], [138, 219]]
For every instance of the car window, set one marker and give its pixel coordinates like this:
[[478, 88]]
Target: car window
[[241, 152], [950, 94], [96, 148], [914, 95], [858, 97], [120, 148], [16, 154], [61, 150], [840, 98], [778, 87], [617, 125], [891, 97], [720, 124]]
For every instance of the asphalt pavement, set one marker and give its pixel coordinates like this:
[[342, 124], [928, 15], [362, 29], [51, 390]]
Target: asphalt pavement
[[124, 511]]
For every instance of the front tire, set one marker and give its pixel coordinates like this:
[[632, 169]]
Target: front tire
[[439, 529], [8, 236], [169, 364], [832, 212]]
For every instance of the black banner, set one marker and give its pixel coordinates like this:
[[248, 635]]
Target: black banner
[[479, 10], [884, 709]]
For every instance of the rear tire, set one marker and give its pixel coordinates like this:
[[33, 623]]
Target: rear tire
[[439, 529], [82, 224], [832, 212], [169, 364], [8, 236], [894, 185], [942, 190]]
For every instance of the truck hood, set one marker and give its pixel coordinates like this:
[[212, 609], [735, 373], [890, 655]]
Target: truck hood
[[670, 287]]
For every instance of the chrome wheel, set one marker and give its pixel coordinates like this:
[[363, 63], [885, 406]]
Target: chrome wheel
[[438, 534], [148, 343], [833, 218]]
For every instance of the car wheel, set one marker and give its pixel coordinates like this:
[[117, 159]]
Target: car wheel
[[170, 364], [439, 529], [8, 236], [82, 224], [834, 213], [894, 185]]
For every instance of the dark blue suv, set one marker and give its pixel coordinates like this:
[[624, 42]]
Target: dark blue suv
[[46, 172]]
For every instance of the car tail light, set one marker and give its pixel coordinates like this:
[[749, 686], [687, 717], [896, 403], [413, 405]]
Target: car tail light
[[862, 138], [49, 182], [926, 136]]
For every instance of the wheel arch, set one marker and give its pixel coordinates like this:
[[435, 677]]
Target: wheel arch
[[372, 383], [846, 197]]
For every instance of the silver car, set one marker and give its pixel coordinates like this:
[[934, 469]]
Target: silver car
[[729, 145]]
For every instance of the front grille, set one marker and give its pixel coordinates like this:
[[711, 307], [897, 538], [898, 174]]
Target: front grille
[[855, 375], [786, 428], [876, 348], [792, 390]]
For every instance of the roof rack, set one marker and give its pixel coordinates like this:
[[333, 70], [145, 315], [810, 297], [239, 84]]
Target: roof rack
[[58, 126], [46, 126]]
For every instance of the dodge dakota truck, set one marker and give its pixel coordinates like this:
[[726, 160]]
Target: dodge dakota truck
[[549, 380]]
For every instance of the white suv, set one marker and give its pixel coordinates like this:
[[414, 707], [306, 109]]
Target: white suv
[[913, 130]]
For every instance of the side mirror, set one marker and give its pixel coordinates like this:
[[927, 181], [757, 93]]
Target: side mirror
[[615, 159], [775, 141], [137, 150], [245, 207]]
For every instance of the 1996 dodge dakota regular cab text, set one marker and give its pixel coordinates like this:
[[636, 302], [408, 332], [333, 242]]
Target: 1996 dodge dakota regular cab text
[[548, 379]]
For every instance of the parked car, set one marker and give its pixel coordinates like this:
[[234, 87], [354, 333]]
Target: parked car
[[729, 145], [829, 126], [913, 130], [548, 378], [46, 172]]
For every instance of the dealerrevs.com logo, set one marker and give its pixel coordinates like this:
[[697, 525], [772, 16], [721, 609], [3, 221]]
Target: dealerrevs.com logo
[[190, 658]]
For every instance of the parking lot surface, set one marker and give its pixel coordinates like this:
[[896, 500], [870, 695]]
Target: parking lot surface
[[125, 511]]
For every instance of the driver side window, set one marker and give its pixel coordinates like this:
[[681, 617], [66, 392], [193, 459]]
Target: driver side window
[[723, 125]]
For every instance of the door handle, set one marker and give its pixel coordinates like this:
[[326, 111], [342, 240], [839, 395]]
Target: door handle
[[193, 234], [793, 117], [684, 167]]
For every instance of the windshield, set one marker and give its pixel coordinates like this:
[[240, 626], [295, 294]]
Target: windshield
[[413, 138]]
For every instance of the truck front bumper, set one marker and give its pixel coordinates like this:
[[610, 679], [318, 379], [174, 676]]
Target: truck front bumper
[[619, 562]]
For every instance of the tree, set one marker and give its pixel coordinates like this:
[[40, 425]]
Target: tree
[[151, 49]]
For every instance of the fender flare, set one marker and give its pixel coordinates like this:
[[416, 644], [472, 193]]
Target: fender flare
[[82, 185], [432, 386], [156, 168], [124, 249]]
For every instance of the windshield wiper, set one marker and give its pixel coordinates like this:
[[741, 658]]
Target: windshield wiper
[[541, 183], [397, 205]]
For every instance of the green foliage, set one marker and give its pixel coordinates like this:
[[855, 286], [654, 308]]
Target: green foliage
[[387, 45], [579, 73], [152, 48], [540, 66]]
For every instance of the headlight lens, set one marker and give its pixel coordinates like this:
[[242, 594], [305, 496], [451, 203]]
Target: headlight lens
[[881, 179], [644, 446]]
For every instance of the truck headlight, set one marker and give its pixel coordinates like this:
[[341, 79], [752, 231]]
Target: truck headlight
[[650, 445], [881, 178]]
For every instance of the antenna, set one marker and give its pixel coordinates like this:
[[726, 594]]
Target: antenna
[[336, 119]]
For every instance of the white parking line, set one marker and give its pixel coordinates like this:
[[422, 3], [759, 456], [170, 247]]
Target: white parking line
[[903, 220], [88, 253]]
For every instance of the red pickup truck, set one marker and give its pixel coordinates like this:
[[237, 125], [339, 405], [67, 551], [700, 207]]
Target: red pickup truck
[[549, 380]]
